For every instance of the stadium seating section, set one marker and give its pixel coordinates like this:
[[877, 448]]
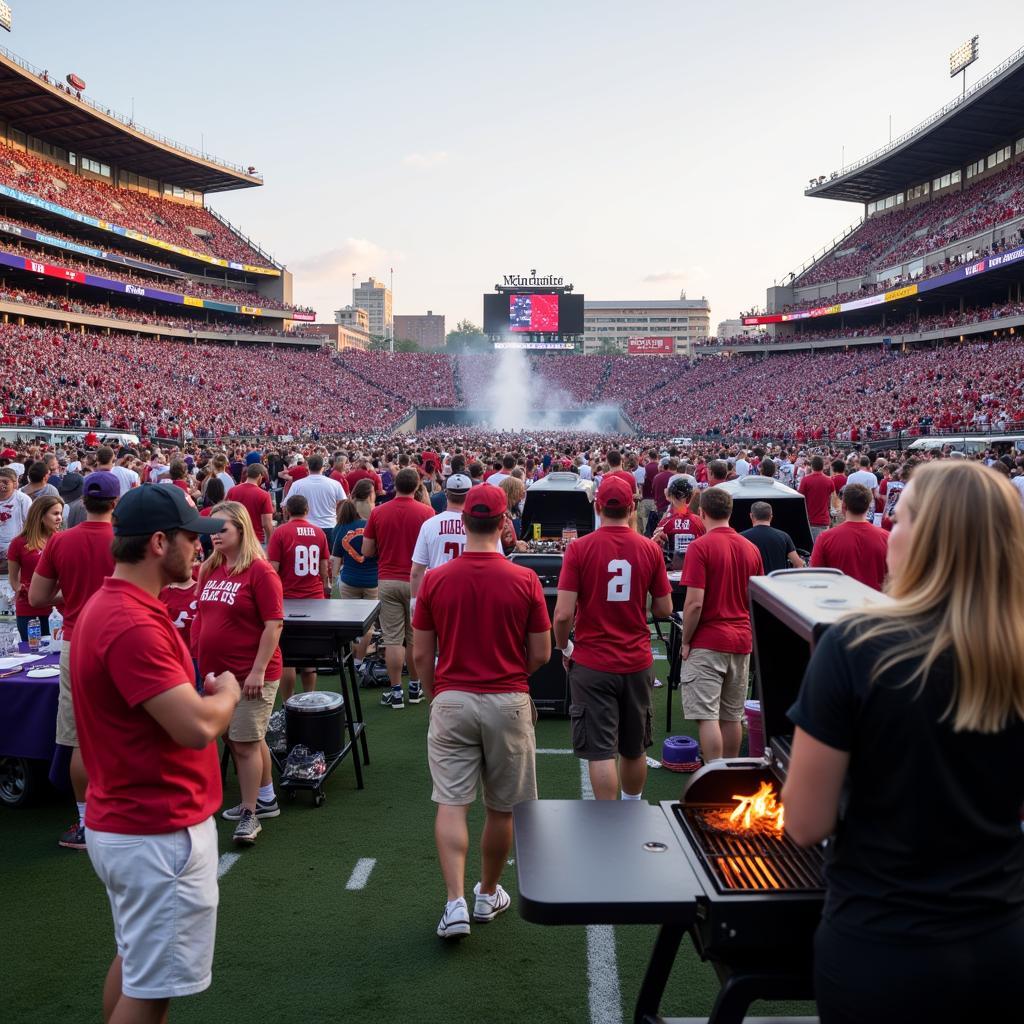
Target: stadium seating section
[[191, 227], [889, 239]]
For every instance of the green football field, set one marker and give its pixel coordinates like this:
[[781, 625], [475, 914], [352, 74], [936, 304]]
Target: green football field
[[295, 945]]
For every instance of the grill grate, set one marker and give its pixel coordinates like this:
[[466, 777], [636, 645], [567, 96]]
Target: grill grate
[[763, 862]]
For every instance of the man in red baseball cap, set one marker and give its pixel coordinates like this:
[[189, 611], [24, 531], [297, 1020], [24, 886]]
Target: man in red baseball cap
[[605, 579], [487, 620]]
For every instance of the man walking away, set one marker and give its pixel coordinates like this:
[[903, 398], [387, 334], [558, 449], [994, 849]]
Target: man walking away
[[817, 490], [74, 563], [776, 546], [716, 627], [391, 534], [149, 746], [299, 554], [256, 501], [856, 546], [323, 494], [487, 619], [605, 579]]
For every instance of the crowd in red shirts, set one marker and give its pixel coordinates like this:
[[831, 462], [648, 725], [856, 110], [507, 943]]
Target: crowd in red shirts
[[161, 218], [902, 234]]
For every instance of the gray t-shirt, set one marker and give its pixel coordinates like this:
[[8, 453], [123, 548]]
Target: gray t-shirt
[[47, 489]]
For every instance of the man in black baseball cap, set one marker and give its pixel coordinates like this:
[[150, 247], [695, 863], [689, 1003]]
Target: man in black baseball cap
[[148, 740]]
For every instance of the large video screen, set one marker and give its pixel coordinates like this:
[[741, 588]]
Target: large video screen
[[533, 313]]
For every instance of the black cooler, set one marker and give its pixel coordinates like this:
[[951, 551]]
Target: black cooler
[[789, 510]]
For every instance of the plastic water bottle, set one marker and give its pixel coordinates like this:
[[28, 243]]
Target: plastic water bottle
[[35, 631], [56, 625]]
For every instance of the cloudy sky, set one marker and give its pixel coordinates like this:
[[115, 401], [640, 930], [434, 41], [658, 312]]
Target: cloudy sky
[[633, 149]]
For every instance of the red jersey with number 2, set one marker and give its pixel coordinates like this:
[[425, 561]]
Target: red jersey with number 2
[[299, 547], [612, 570]]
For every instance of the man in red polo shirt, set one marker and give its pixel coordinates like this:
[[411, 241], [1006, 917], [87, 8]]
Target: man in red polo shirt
[[605, 579], [487, 619], [298, 553], [390, 534], [716, 627], [817, 490], [149, 744], [856, 546], [256, 501], [74, 563]]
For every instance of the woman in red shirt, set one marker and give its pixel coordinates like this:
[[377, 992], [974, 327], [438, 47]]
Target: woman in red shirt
[[43, 521], [236, 628]]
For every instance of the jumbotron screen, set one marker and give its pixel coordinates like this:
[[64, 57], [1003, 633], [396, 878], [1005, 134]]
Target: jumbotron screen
[[533, 313]]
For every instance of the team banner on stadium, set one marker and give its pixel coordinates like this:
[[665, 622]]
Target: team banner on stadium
[[651, 346], [981, 266], [147, 292], [82, 218]]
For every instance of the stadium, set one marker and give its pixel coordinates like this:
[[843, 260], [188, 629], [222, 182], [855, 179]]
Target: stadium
[[133, 315]]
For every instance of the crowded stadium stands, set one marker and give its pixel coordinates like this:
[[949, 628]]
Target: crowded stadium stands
[[191, 227]]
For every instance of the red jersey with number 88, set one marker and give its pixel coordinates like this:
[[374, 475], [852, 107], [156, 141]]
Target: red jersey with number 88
[[612, 570], [300, 548]]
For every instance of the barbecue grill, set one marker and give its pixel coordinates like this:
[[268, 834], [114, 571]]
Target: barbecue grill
[[762, 894]]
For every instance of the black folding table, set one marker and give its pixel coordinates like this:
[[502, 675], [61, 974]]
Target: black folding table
[[320, 634], [607, 862]]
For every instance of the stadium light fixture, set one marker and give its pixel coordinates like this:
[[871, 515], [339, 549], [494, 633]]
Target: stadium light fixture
[[962, 58], [5, 16]]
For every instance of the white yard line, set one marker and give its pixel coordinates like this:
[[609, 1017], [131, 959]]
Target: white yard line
[[226, 863], [360, 873], [553, 750], [604, 996]]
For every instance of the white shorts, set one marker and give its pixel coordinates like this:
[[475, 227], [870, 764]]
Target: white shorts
[[163, 895]]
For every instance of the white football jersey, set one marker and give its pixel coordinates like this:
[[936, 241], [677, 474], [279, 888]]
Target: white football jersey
[[441, 539]]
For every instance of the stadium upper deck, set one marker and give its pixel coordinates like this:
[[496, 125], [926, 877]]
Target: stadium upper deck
[[99, 211], [943, 211]]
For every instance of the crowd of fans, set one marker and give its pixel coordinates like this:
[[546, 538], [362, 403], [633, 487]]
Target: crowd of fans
[[214, 324], [903, 234], [192, 227]]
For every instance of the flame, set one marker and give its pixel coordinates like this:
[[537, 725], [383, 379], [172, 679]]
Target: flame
[[760, 808]]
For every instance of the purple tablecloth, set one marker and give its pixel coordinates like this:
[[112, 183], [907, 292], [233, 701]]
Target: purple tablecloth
[[28, 712]]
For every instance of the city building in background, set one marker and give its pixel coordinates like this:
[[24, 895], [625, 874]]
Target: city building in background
[[675, 324], [354, 317], [734, 329], [426, 331], [375, 298], [342, 336]]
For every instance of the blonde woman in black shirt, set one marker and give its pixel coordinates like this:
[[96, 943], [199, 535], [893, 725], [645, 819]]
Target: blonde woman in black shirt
[[908, 750]]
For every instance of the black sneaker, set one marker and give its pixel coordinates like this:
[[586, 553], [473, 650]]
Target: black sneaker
[[73, 838], [415, 693], [248, 827], [391, 698], [264, 809]]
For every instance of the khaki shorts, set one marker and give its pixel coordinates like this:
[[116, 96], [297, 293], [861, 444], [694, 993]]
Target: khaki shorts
[[163, 896], [646, 508], [714, 685], [357, 593], [484, 737], [67, 733], [395, 623], [249, 722]]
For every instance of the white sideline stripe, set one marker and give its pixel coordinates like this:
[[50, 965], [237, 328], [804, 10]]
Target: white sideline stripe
[[361, 873], [226, 863], [553, 750], [604, 997]]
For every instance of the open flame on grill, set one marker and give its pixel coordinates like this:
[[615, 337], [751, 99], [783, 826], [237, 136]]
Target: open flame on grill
[[759, 813], [762, 808]]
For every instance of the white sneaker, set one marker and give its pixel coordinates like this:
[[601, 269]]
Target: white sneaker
[[454, 923], [658, 684], [487, 908], [653, 762]]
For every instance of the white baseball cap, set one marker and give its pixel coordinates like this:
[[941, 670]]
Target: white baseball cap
[[458, 482]]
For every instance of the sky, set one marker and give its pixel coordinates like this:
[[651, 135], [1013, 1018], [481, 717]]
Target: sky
[[636, 150]]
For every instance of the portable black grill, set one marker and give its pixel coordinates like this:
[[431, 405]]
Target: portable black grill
[[762, 894]]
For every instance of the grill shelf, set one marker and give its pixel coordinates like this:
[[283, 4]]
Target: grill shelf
[[761, 862]]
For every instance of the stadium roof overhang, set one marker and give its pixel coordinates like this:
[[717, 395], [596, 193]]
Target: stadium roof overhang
[[38, 107], [990, 115]]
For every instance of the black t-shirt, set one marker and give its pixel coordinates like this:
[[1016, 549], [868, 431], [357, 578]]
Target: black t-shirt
[[929, 846], [774, 545]]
